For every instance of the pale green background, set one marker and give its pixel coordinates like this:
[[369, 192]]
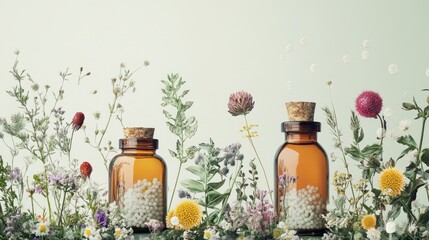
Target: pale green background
[[264, 47]]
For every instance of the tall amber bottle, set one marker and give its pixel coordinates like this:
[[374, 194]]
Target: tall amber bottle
[[137, 179], [302, 173]]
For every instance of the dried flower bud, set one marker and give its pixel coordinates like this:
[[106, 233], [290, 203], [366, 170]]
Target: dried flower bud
[[240, 103], [85, 170], [78, 120], [146, 63], [408, 106], [35, 87], [97, 115], [329, 83]]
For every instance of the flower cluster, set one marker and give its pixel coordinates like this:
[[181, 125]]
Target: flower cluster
[[371, 206], [64, 203]]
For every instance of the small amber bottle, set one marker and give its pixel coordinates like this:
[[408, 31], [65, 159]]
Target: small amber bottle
[[137, 179], [302, 173]]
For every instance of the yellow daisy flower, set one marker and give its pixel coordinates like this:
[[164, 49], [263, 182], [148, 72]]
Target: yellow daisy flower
[[189, 214], [368, 221], [170, 214], [393, 179]]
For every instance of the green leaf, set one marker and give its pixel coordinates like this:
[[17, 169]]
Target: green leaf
[[215, 185], [173, 153], [408, 140], [394, 212], [197, 170], [374, 149], [424, 218], [425, 156], [354, 152], [214, 198], [192, 185]]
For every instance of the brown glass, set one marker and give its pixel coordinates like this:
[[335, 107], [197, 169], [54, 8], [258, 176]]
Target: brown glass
[[304, 162], [138, 162]]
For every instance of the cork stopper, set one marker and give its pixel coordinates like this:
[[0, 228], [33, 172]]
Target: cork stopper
[[301, 111], [139, 132]]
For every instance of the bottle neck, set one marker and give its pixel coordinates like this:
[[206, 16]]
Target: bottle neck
[[138, 145], [301, 137], [138, 151]]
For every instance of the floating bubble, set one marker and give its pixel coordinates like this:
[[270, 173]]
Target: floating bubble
[[289, 85], [346, 59], [313, 67], [393, 69], [365, 55], [365, 43]]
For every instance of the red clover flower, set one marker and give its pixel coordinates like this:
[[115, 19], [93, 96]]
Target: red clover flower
[[240, 103]]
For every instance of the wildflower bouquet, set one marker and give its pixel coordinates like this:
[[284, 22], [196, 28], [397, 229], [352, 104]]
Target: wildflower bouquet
[[208, 209], [370, 206], [64, 202]]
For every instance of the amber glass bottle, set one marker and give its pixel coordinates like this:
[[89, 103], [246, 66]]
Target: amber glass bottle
[[137, 179], [302, 173]]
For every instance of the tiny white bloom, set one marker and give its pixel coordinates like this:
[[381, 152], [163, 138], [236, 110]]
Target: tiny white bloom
[[404, 125], [381, 133], [377, 212], [387, 112], [373, 234], [174, 220], [390, 227], [412, 227], [42, 229]]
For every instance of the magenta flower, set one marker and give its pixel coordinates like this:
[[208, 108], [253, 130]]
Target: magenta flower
[[240, 103], [368, 104], [78, 120]]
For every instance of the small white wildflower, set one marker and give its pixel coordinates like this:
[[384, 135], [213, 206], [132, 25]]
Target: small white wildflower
[[387, 112], [390, 227], [381, 133], [404, 125], [42, 229], [377, 212], [412, 155], [412, 227], [373, 234]]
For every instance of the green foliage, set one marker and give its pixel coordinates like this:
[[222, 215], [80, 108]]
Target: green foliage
[[178, 123], [369, 158]]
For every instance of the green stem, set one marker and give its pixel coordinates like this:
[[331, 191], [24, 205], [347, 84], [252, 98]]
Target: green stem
[[420, 149], [47, 196], [382, 134], [70, 146], [337, 133], [259, 159], [60, 218], [229, 191], [175, 185]]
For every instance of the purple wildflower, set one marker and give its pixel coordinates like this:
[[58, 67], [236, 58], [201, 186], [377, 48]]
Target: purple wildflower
[[240, 103], [101, 219], [16, 174], [38, 189]]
